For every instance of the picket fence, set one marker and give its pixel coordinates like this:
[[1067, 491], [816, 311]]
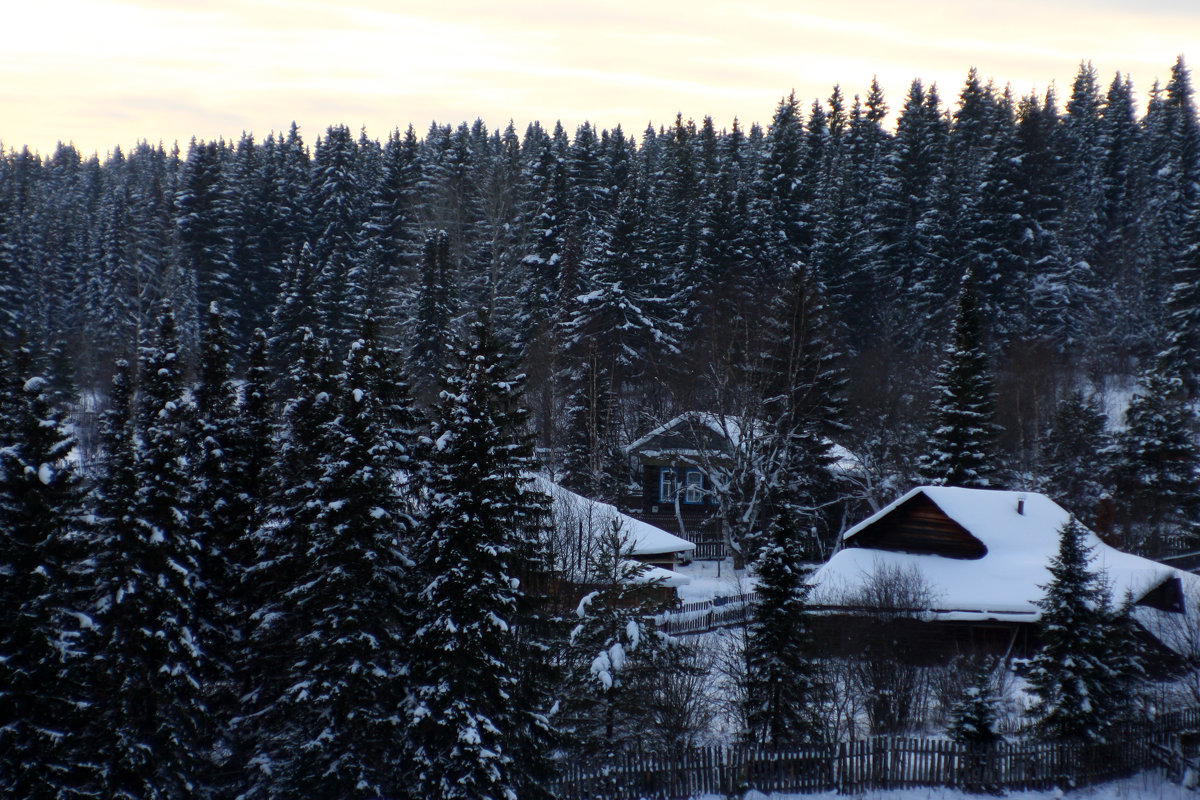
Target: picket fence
[[706, 615], [878, 763]]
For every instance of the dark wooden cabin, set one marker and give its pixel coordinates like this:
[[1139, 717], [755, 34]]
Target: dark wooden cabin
[[981, 558]]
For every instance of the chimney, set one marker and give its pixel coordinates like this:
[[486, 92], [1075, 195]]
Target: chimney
[[1020, 504]]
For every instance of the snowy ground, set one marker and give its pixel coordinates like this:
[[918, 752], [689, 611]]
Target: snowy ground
[[712, 579], [1148, 786]]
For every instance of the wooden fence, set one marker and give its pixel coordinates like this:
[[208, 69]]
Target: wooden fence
[[879, 763], [706, 615]]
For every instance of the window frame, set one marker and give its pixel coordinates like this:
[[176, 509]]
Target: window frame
[[667, 476], [693, 491]]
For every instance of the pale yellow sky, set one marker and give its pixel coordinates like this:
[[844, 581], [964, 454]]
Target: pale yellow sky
[[108, 72]]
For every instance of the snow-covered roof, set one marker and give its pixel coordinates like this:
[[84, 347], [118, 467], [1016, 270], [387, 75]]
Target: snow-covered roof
[[646, 539], [663, 577], [725, 426], [1007, 581], [730, 428]]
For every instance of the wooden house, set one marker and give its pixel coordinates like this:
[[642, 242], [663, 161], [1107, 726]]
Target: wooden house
[[673, 462], [981, 558]]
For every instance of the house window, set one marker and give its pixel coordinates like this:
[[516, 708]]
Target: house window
[[694, 482], [667, 484]]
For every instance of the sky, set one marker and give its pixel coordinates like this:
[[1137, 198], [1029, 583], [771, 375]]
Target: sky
[[101, 73]]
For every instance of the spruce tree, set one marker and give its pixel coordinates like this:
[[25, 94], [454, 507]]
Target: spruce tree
[[343, 678], [973, 717], [482, 520], [436, 305], [962, 442], [224, 516], [589, 453], [149, 671], [1070, 675], [1075, 454], [283, 543], [44, 751], [202, 203], [168, 715], [782, 181], [1155, 469], [118, 551], [336, 199], [613, 655], [783, 690]]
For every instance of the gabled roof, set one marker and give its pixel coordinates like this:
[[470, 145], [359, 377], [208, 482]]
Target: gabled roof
[[646, 540], [725, 427], [1007, 581]]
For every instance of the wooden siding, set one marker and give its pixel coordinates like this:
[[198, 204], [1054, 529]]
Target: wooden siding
[[919, 526]]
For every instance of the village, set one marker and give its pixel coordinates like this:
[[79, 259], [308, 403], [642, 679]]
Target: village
[[940, 580]]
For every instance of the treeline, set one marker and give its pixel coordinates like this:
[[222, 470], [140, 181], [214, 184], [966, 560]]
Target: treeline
[[641, 277]]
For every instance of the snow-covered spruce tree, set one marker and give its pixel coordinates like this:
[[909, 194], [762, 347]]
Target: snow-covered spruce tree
[[1073, 677], [783, 689], [962, 442], [621, 312], [1173, 149], [294, 310], [201, 205], [436, 304], [590, 458], [224, 513], [1154, 474], [172, 719], [43, 687], [613, 657], [336, 197], [340, 731], [803, 393], [973, 717], [1182, 354], [1123, 657], [118, 551], [483, 520], [1074, 455], [150, 658], [282, 543]]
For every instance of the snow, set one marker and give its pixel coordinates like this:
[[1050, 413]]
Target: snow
[[634, 633], [581, 609], [1146, 786], [645, 539], [728, 427], [602, 669], [708, 580], [616, 656], [1006, 582], [663, 577]]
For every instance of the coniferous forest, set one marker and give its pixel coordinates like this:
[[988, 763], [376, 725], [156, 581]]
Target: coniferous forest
[[271, 411]]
